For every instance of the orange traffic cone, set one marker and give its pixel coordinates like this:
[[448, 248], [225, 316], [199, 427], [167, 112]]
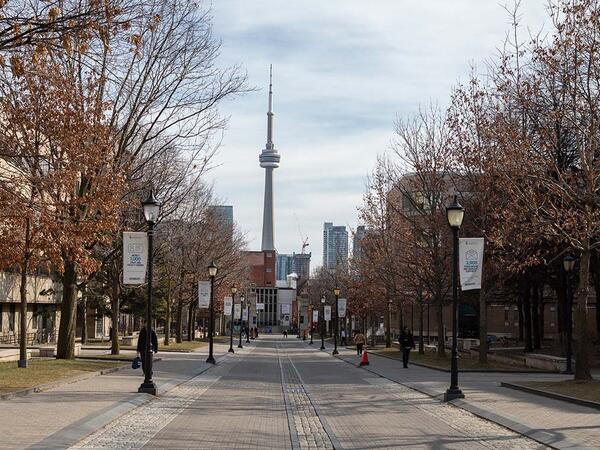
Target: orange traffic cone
[[365, 359]]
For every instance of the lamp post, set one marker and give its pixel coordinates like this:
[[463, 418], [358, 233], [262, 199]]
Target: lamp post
[[151, 211], [248, 322], [569, 265], [233, 292], [455, 213], [212, 272], [241, 321], [322, 323], [311, 324], [336, 292]]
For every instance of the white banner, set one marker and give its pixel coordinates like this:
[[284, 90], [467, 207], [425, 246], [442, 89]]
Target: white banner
[[285, 308], [327, 312], [470, 262], [203, 294], [260, 306], [135, 257], [227, 305], [237, 310], [315, 316], [342, 302], [245, 314]]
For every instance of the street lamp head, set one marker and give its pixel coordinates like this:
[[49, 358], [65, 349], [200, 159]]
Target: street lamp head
[[242, 299], [233, 289], [151, 208], [323, 300], [568, 263], [336, 291], [212, 269], [455, 213]]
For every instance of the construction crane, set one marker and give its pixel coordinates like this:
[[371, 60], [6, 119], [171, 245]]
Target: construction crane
[[302, 237]]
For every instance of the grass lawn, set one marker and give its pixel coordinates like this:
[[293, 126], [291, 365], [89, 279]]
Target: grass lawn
[[184, 346], [464, 362], [584, 390], [45, 371]]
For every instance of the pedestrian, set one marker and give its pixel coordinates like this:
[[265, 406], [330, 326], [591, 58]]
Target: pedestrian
[[285, 334], [141, 346], [407, 343], [359, 340], [256, 332], [343, 334]]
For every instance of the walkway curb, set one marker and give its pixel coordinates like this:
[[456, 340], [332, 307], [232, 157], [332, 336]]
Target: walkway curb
[[564, 398]]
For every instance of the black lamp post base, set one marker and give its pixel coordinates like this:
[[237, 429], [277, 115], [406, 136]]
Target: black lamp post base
[[211, 360], [335, 352], [322, 347], [240, 346], [310, 343], [22, 364], [452, 394], [231, 350], [147, 388]]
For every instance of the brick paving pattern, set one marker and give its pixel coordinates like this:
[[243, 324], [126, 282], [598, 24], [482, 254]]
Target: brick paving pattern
[[307, 425]]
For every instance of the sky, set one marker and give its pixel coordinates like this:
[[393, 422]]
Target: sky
[[343, 72]]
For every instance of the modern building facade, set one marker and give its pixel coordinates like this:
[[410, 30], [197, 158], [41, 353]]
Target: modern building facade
[[285, 266], [335, 245], [301, 265], [222, 214]]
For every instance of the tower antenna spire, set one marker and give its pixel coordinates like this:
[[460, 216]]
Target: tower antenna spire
[[270, 145]]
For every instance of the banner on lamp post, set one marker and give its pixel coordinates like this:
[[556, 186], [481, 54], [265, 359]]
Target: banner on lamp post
[[470, 262], [245, 314], [227, 305], [327, 312], [135, 257], [342, 302], [203, 294], [260, 306], [315, 316], [237, 311]]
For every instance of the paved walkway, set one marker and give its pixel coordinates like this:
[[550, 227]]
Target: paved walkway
[[283, 394], [62, 416], [554, 422]]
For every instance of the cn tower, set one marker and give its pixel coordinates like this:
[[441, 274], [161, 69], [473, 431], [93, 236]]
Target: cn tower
[[269, 160]]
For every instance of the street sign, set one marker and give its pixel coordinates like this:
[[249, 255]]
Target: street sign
[[342, 307], [227, 305], [135, 257], [327, 312], [203, 294]]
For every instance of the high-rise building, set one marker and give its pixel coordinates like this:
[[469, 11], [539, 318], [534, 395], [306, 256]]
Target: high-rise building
[[301, 265], [335, 245], [284, 266], [359, 235], [269, 160], [222, 214]]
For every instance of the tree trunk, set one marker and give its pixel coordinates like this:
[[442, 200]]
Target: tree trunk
[[582, 363], [168, 314], [84, 333], [65, 347], [535, 316], [521, 319], [441, 350], [190, 333], [115, 295], [527, 318], [421, 323], [596, 281], [483, 345], [179, 318], [23, 294]]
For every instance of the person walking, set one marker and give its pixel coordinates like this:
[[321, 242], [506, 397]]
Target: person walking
[[343, 340], [407, 343], [359, 340], [285, 333], [141, 346]]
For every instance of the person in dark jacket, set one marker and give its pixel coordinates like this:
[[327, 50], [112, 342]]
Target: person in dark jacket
[[141, 346], [407, 343]]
